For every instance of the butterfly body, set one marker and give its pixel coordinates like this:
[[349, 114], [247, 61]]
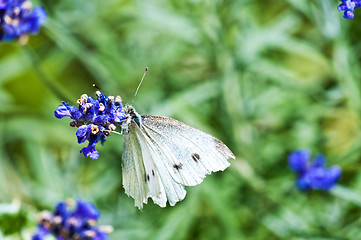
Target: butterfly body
[[162, 155]]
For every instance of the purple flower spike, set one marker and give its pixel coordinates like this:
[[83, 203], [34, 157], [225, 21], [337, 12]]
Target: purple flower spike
[[95, 119], [18, 19], [67, 222], [348, 6], [313, 175]]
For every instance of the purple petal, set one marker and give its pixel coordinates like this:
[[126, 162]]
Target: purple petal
[[86, 210], [341, 7], [61, 210], [3, 4], [81, 133], [303, 182], [67, 111], [348, 14], [62, 111], [298, 160], [317, 178], [40, 14], [90, 151], [333, 174], [319, 161]]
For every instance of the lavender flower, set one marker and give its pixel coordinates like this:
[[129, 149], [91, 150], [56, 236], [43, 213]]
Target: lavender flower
[[313, 175], [18, 19], [69, 224], [348, 6], [95, 119]]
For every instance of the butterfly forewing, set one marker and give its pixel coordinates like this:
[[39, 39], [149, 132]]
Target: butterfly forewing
[[175, 191], [133, 169], [189, 153], [160, 185]]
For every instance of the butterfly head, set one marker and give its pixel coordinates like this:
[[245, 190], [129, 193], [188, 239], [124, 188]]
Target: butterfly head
[[131, 115]]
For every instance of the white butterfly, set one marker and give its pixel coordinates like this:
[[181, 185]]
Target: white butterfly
[[162, 155]]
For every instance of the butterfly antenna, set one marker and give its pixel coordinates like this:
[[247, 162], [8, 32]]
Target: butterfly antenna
[[145, 72], [94, 85]]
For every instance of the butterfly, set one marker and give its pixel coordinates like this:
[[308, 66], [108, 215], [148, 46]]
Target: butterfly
[[162, 155]]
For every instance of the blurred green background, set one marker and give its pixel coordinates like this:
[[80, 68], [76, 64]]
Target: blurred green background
[[265, 77]]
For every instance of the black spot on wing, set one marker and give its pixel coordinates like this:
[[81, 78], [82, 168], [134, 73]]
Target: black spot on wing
[[153, 172], [196, 157], [146, 177], [178, 166]]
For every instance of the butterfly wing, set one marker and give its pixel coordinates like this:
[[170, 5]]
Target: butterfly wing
[[164, 155], [187, 153], [133, 169], [143, 175]]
